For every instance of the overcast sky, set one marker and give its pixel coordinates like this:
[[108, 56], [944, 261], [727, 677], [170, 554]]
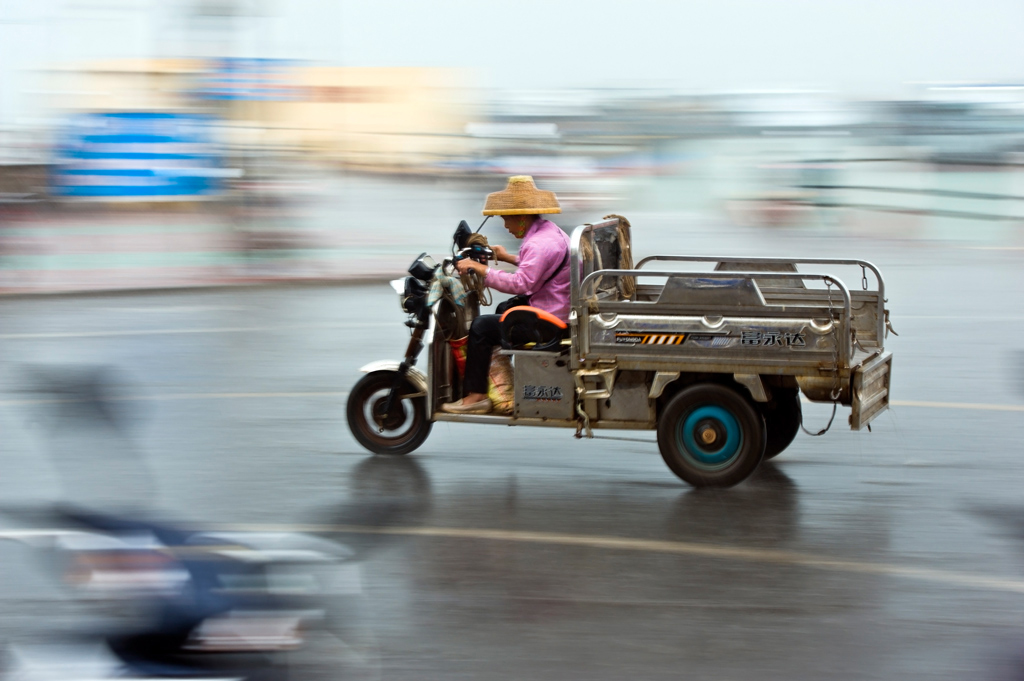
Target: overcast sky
[[857, 47]]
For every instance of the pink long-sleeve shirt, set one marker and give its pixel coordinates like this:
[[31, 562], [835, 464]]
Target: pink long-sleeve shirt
[[543, 251]]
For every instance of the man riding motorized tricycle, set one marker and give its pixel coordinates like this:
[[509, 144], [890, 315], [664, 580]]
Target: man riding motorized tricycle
[[713, 359], [541, 281]]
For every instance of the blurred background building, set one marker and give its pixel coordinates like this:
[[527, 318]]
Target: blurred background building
[[270, 120]]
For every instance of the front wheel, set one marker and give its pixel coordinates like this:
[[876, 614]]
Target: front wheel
[[401, 431], [710, 436]]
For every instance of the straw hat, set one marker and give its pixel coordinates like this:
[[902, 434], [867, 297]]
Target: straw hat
[[521, 197]]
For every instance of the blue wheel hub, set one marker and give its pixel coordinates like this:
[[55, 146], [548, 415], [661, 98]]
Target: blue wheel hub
[[710, 437]]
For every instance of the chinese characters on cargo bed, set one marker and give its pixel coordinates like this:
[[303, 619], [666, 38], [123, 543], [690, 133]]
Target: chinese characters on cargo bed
[[713, 340], [763, 338]]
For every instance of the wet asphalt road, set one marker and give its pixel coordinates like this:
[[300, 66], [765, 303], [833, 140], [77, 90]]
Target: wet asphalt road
[[892, 554]]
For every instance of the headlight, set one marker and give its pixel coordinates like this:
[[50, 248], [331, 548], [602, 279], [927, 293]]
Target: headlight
[[414, 287], [414, 294], [410, 305]]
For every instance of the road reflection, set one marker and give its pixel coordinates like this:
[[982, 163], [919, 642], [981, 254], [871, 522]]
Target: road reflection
[[518, 558], [762, 512]]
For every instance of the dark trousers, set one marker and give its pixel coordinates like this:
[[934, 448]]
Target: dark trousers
[[484, 334]]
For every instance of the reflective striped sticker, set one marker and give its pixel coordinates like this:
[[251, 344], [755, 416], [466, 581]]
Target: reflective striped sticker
[[640, 338]]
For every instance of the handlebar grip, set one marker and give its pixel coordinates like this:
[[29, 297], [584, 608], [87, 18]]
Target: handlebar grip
[[480, 254]]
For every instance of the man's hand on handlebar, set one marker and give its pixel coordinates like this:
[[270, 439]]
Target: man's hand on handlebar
[[466, 265], [502, 255]]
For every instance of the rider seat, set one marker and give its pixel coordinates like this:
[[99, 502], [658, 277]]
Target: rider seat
[[530, 328]]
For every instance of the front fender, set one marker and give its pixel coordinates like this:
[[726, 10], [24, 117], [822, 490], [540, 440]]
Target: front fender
[[418, 378]]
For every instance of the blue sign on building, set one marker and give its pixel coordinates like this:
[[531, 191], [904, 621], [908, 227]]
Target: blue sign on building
[[138, 156], [251, 80]]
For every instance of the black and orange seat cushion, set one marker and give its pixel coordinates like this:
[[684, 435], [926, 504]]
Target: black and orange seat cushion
[[531, 328]]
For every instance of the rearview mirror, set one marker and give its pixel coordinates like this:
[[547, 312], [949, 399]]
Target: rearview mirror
[[462, 234]]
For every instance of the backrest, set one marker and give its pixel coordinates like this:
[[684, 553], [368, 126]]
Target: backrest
[[607, 246]]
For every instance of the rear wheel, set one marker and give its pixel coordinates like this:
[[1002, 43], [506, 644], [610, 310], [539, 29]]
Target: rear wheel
[[401, 431], [782, 420], [710, 436]]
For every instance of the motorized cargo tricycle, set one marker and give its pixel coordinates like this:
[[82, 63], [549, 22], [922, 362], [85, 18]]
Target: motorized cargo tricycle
[[714, 357]]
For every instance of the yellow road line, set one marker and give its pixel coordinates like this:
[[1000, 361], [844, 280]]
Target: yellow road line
[[171, 332], [746, 554], [774, 556], [330, 393], [958, 405], [961, 318], [130, 332], [953, 406], [180, 396]]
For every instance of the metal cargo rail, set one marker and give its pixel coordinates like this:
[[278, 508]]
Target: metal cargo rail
[[751, 317]]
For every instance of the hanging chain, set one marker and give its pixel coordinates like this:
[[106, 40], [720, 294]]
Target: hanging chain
[[837, 387], [864, 285]]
